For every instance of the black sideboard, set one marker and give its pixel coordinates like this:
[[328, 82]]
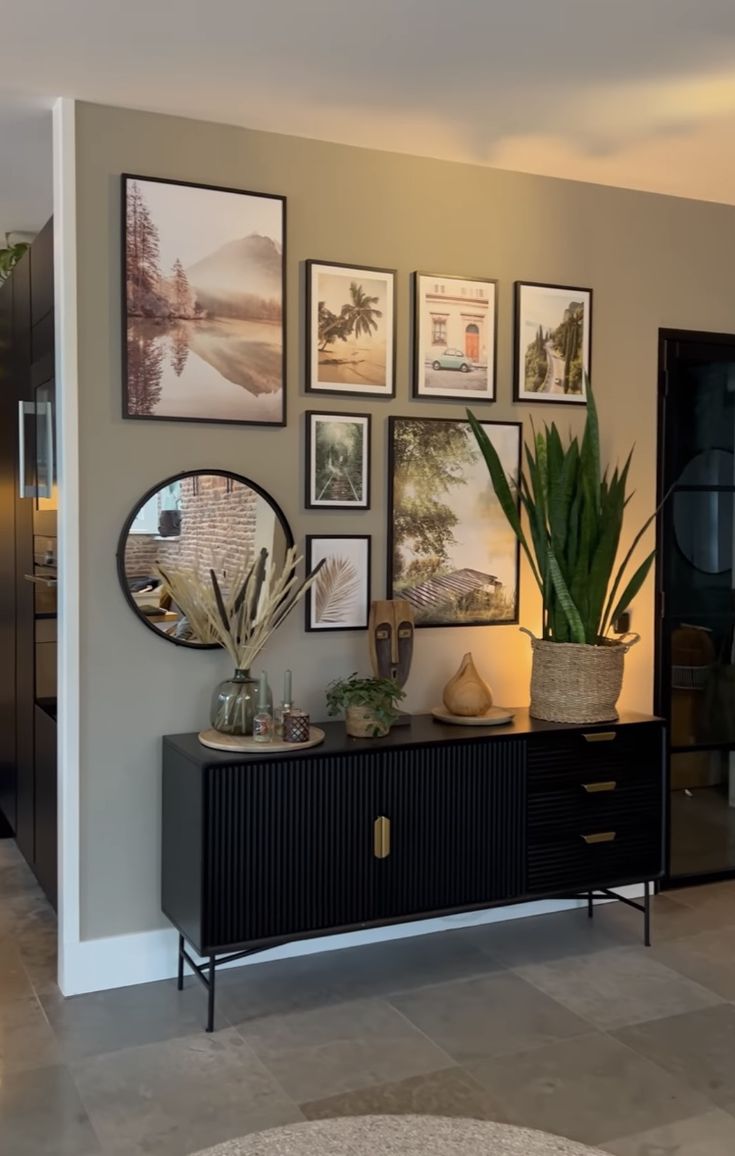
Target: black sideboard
[[260, 850]]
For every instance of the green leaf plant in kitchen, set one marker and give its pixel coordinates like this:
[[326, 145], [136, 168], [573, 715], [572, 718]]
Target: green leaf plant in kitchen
[[575, 516], [10, 256], [369, 704]]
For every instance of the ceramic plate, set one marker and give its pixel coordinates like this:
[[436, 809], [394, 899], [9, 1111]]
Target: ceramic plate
[[495, 717]]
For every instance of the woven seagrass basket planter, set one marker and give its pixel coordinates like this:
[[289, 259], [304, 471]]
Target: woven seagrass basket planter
[[575, 683]]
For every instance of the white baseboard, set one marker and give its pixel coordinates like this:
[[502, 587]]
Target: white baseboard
[[123, 960]]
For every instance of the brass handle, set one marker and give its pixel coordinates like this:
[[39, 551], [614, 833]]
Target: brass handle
[[597, 788], [600, 736], [381, 837], [600, 837]]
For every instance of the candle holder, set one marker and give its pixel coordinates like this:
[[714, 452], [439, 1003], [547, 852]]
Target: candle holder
[[296, 727]]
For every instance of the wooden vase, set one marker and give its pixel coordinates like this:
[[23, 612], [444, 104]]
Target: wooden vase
[[467, 694]]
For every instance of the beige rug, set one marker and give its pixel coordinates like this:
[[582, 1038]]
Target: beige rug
[[400, 1136]]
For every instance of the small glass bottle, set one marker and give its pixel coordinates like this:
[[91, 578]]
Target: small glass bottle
[[263, 719], [284, 706]]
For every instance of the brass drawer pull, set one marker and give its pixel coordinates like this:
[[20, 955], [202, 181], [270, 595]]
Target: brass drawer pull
[[598, 788], [600, 837], [381, 837], [600, 736]]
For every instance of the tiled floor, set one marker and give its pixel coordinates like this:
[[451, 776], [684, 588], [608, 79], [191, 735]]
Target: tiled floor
[[554, 1022]]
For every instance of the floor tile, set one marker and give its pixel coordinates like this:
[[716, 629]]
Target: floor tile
[[14, 981], [451, 1092], [247, 994], [26, 1038], [707, 958], [477, 1018], [541, 937], [669, 920], [378, 969], [41, 1114], [618, 987], [179, 1096], [712, 1134], [591, 1089], [719, 897], [698, 1047], [106, 1021], [321, 1053]]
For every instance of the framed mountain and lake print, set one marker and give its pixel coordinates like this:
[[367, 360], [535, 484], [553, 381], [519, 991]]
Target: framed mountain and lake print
[[203, 303]]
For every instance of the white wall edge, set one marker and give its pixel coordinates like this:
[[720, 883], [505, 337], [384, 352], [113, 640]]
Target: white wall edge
[[67, 440], [123, 960]]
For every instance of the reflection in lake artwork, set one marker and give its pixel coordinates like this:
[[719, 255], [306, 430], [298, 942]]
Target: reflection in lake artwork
[[204, 301]]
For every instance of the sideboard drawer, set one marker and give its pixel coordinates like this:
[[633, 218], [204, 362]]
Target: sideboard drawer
[[596, 754], [596, 858], [592, 802]]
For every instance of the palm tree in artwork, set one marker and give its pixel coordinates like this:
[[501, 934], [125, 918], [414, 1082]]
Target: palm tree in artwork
[[363, 314]]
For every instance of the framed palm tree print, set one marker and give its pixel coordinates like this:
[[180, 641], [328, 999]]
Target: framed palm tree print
[[340, 596], [350, 329]]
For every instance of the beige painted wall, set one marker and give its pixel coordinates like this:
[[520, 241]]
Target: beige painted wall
[[652, 261]]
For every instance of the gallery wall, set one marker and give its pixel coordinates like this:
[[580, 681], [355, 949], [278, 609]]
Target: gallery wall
[[652, 261]]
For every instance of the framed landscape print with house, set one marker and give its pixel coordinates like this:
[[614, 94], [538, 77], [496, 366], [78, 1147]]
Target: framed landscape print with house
[[451, 552], [455, 328], [337, 461], [553, 333], [340, 596], [203, 303], [350, 330]]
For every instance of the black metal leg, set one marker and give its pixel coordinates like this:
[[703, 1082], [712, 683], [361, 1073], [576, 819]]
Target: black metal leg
[[180, 978], [647, 914], [210, 996], [590, 905]]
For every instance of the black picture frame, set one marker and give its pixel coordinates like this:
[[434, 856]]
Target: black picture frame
[[548, 398], [310, 562], [392, 592], [142, 501], [311, 500], [128, 410], [418, 367], [311, 300]]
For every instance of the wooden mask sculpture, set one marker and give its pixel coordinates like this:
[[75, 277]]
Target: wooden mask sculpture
[[391, 628]]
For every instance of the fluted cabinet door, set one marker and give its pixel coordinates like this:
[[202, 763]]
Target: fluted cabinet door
[[456, 815], [289, 847]]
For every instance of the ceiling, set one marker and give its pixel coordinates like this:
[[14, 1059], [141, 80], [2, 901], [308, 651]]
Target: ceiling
[[639, 93]]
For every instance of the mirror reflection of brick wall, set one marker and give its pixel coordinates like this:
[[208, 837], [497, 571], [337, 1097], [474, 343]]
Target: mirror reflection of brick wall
[[218, 528]]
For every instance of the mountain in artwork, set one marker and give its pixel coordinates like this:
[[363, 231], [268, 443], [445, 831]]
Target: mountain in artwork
[[240, 279]]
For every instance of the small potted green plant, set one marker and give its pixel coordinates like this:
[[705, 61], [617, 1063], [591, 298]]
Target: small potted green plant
[[369, 704]]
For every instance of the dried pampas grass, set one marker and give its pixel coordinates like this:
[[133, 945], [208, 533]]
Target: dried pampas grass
[[239, 611]]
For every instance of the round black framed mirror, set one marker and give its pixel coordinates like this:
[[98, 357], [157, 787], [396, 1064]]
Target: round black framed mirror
[[197, 520]]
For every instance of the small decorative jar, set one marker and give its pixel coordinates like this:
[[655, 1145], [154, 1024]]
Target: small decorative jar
[[296, 728]]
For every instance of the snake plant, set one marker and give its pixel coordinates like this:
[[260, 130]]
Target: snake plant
[[575, 517]]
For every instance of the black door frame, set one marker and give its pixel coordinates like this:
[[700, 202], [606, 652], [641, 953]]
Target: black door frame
[[661, 649]]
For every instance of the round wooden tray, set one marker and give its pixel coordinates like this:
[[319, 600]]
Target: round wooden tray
[[495, 717], [247, 745]]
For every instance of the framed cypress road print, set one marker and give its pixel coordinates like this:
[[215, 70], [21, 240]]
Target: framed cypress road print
[[553, 335], [203, 303]]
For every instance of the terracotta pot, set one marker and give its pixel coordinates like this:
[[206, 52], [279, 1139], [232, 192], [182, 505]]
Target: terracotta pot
[[361, 723], [466, 694]]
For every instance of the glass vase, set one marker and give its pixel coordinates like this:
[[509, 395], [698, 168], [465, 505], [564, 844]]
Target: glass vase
[[234, 704]]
